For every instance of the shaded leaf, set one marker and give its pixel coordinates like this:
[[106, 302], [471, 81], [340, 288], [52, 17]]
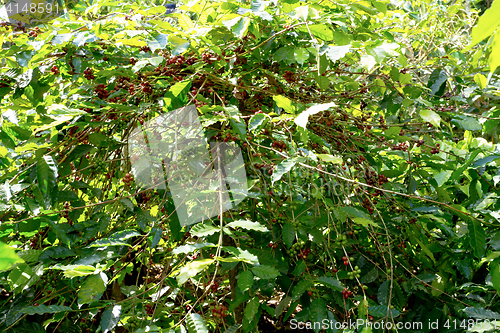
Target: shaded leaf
[[92, 289], [110, 318], [42, 309], [265, 272], [245, 280], [331, 283]]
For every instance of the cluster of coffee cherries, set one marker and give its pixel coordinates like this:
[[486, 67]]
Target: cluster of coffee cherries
[[146, 196], [356, 273], [279, 219], [289, 76], [146, 87], [101, 91], [219, 312], [346, 293], [100, 166], [88, 73], [280, 145], [149, 309], [207, 58], [35, 240], [381, 121], [341, 240], [35, 32], [403, 146], [304, 253], [181, 60], [420, 142], [272, 245], [121, 125], [55, 70], [199, 104], [296, 248], [127, 179], [435, 150]]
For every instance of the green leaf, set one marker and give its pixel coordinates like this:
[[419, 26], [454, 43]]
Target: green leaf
[[335, 53], [467, 123], [42, 309], [180, 88], [300, 288], [487, 24], [127, 203], [265, 272], [320, 31], [200, 230], [494, 59], [71, 271], [241, 255], [143, 219], [381, 7], [155, 236], [117, 238], [285, 103], [481, 80], [196, 323], [364, 222], [288, 233], [356, 213], [459, 172], [252, 308], [331, 283], [110, 318], [8, 257], [495, 274], [369, 277], [240, 128], [318, 313], [283, 304], [46, 174], [179, 45], [477, 237], [184, 21], [282, 168], [431, 117], [437, 83], [442, 177], [19, 276], [92, 289], [256, 122], [301, 55], [192, 269], [27, 255], [240, 29], [481, 313], [191, 247], [382, 311], [245, 280], [248, 225], [330, 158], [383, 292]]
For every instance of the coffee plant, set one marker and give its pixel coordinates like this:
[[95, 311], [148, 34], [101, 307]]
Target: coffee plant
[[368, 131]]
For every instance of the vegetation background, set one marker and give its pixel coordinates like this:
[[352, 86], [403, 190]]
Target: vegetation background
[[370, 136]]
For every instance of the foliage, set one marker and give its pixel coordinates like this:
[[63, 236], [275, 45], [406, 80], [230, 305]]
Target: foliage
[[368, 135]]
